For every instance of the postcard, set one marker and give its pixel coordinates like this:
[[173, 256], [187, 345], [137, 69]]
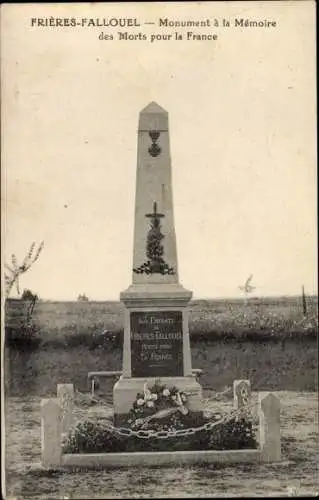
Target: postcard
[[159, 249]]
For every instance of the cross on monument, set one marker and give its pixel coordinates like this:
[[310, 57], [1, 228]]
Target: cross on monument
[[155, 214]]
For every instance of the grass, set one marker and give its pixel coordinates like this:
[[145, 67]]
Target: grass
[[269, 366]]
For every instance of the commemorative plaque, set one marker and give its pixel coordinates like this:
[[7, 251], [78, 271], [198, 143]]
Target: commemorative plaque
[[157, 344]]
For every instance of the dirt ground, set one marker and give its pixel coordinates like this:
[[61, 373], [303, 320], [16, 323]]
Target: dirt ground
[[296, 475]]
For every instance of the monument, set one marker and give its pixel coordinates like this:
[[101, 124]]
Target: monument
[[156, 336]]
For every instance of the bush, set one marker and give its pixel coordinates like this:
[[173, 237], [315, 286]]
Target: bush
[[92, 437], [94, 340], [96, 437], [23, 338], [236, 434]]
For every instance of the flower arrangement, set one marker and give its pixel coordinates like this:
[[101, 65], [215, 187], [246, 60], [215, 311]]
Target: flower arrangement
[[156, 403]]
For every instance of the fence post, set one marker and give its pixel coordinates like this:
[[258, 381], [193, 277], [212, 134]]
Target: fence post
[[51, 432], [242, 393], [269, 422], [304, 303], [65, 393]]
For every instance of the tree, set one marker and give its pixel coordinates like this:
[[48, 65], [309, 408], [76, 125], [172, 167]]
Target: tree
[[15, 270], [82, 298], [247, 288], [28, 295], [19, 327]]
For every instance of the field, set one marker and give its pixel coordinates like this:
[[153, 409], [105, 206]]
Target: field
[[231, 319], [267, 341]]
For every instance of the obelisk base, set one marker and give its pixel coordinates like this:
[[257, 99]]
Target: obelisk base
[[126, 389], [156, 344]]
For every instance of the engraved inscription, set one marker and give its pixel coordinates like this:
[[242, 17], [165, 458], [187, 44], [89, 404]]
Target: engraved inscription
[[156, 344]]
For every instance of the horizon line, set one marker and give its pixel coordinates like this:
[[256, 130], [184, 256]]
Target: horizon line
[[192, 299]]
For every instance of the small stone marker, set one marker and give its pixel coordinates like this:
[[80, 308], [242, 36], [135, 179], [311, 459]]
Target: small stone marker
[[269, 421], [65, 393], [156, 336], [51, 432], [242, 393]]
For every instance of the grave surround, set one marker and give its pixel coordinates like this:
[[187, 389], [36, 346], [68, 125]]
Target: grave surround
[[53, 412]]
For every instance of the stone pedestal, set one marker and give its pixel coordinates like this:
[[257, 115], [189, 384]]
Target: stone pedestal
[[125, 391], [156, 344], [156, 336]]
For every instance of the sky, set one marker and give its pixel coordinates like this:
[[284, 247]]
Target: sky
[[242, 118]]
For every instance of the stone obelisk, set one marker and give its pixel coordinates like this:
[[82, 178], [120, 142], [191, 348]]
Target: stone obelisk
[[156, 335]]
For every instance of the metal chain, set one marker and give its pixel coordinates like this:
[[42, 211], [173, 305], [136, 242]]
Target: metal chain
[[89, 398], [82, 397], [63, 404], [219, 394], [244, 395], [208, 426], [165, 434]]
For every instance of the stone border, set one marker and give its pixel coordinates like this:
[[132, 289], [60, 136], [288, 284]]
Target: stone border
[[161, 458], [56, 417]]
